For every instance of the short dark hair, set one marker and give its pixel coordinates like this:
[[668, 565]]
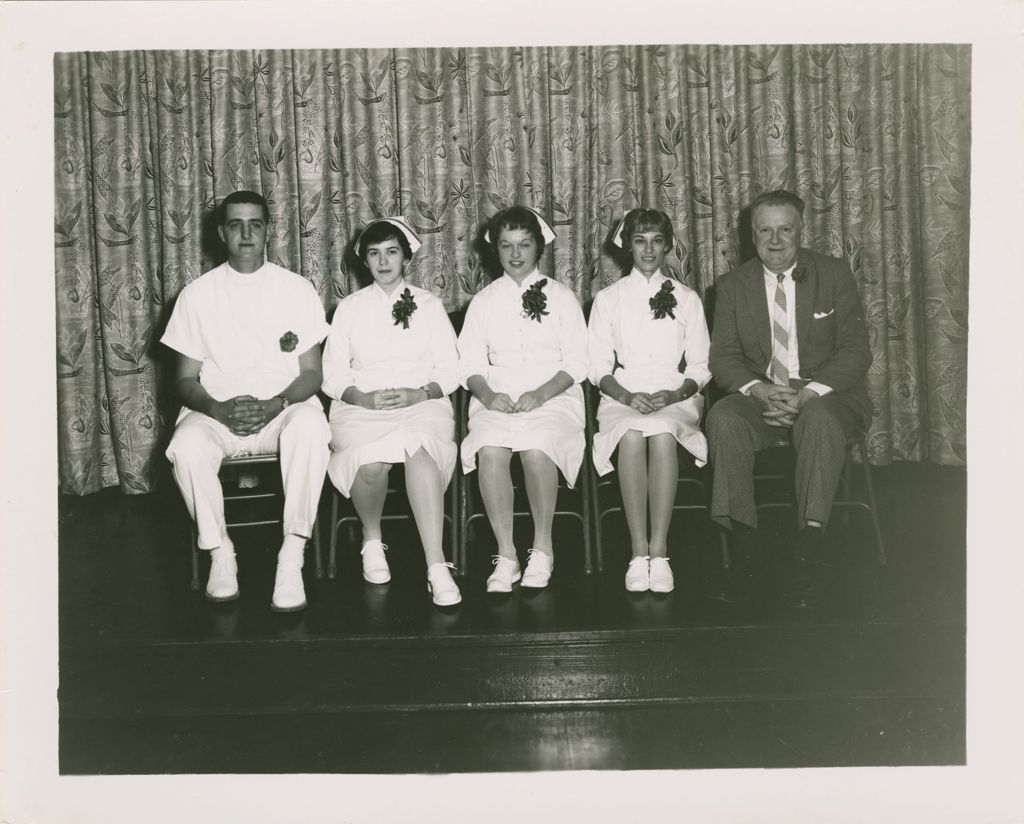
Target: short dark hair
[[780, 197], [647, 220], [242, 196], [378, 232], [516, 217]]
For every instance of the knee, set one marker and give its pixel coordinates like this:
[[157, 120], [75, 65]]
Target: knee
[[817, 416], [535, 459], [307, 422], [631, 441], [724, 419], [663, 440], [373, 473], [191, 445], [662, 445], [420, 458], [492, 458]]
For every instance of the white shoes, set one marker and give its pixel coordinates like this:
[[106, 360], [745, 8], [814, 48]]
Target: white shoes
[[661, 575], [375, 565], [638, 574], [506, 572], [443, 589], [222, 584], [538, 569], [289, 592]]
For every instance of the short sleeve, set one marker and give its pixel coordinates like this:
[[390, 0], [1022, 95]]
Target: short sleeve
[[573, 337], [311, 323], [600, 340], [472, 343], [337, 362], [445, 369], [698, 342], [182, 333]]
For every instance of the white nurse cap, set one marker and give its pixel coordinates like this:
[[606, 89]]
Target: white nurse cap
[[546, 231], [617, 234], [402, 225]]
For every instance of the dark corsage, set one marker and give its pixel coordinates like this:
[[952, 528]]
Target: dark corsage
[[664, 301], [799, 273], [403, 309], [289, 340], [535, 301]]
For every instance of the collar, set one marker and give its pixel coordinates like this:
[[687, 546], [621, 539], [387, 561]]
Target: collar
[[380, 294], [774, 278], [637, 279], [528, 281], [245, 277]]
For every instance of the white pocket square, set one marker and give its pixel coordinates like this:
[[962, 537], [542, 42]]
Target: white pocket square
[[820, 315]]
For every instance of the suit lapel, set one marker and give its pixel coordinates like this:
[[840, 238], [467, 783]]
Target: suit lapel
[[806, 290], [757, 304]]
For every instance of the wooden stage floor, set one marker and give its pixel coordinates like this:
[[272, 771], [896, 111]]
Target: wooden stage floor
[[153, 679]]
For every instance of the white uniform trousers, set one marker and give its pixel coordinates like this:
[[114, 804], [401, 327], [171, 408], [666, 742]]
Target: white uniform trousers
[[300, 435]]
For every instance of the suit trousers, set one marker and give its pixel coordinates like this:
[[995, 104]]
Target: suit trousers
[[736, 431], [300, 434]]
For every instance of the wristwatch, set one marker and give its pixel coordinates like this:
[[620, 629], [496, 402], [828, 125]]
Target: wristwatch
[[285, 403]]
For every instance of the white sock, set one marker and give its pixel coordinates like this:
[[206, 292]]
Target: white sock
[[293, 550], [225, 550]]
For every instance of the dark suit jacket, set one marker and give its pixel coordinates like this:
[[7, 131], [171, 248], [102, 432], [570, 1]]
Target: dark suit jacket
[[830, 329]]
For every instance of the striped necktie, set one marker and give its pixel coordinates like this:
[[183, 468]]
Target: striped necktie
[[780, 334]]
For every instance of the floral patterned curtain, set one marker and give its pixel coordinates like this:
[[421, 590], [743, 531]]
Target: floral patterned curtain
[[876, 139]]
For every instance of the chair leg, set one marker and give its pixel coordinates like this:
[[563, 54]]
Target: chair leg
[[332, 562], [194, 546], [847, 487], [317, 552], [873, 507], [596, 520], [588, 550], [464, 518], [453, 506], [723, 542]]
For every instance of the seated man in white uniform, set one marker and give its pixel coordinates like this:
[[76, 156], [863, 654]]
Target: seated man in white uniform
[[248, 339]]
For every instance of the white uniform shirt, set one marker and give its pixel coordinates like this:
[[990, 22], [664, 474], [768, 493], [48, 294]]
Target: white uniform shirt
[[233, 324], [771, 283], [649, 351], [511, 351], [368, 350]]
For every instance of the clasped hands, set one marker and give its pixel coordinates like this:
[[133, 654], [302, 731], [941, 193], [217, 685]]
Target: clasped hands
[[245, 414], [502, 402], [394, 398], [647, 402], [780, 404]]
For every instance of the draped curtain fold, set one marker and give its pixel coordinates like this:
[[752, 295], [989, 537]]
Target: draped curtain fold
[[875, 138]]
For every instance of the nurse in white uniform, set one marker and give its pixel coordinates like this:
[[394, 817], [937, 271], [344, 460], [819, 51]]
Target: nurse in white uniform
[[389, 366], [648, 347], [522, 356]]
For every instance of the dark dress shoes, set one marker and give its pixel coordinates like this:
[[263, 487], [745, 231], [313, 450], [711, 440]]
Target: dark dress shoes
[[804, 591], [738, 583]]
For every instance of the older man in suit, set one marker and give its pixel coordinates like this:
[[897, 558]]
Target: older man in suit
[[790, 348]]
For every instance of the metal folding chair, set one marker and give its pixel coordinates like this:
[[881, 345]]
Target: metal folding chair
[[343, 513], [607, 499], [231, 466], [580, 497], [844, 499]]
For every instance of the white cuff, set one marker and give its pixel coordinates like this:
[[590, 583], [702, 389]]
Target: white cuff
[[820, 388]]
